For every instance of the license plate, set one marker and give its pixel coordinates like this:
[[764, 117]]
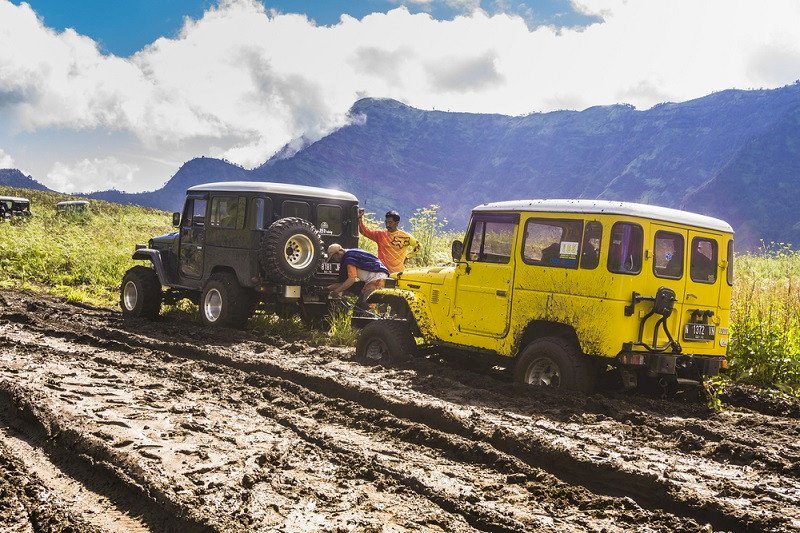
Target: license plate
[[698, 332], [329, 268]]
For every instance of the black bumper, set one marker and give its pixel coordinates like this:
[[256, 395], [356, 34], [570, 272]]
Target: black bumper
[[682, 366]]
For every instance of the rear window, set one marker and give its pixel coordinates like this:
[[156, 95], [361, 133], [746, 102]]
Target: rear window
[[329, 219], [551, 242], [296, 209], [668, 255], [625, 249], [704, 260]]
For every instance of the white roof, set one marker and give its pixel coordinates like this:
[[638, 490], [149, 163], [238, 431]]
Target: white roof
[[13, 199], [653, 212], [74, 202], [275, 188]]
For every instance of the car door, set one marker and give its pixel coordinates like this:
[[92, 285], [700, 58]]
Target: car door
[[192, 237], [483, 286], [670, 268], [702, 290]]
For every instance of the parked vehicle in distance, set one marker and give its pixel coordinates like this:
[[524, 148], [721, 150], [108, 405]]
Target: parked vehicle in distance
[[72, 207], [561, 289], [14, 209], [241, 243]]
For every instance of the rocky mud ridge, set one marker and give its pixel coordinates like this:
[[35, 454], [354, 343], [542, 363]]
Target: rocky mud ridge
[[111, 425]]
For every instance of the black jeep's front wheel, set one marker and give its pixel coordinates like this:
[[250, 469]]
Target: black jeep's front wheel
[[140, 293], [291, 250], [557, 363], [226, 303], [385, 342]]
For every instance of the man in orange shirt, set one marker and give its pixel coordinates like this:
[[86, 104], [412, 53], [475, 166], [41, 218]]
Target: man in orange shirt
[[394, 244]]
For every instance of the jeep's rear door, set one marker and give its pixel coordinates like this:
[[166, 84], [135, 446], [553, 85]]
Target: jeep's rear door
[[483, 286], [669, 269], [192, 237]]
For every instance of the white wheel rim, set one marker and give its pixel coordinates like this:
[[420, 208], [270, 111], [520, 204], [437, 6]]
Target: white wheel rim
[[299, 251], [212, 305], [130, 296], [543, 372]]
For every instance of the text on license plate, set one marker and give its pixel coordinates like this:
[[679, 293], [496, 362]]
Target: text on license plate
[[698, 332], [329, 267]]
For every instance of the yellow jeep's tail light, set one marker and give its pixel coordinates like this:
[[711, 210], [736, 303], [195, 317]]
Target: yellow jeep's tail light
[[632, 359]]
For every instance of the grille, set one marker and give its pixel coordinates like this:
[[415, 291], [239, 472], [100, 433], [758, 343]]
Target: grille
[[435, 296]]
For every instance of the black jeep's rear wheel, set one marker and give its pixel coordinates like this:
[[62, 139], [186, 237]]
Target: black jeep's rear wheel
[[226, 303], [140, 293], [290, 251], [555, 362], [385, 342]]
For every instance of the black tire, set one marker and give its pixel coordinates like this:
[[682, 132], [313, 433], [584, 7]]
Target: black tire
[[558, 363], [290, 251], [226, 303], [140, 293], [385, 342], [316, 316]]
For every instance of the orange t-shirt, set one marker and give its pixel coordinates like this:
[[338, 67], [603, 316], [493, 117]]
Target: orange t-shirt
[[393, 246]]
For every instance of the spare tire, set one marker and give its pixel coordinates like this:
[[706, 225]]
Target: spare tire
[[291, 251]]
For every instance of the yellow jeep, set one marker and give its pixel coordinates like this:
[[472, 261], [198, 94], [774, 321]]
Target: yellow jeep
[[564, 288]]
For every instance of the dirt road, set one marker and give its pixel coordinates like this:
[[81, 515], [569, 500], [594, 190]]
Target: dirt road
[[136, 426]]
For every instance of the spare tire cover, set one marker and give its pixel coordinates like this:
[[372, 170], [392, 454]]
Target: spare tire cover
[[290, 251]]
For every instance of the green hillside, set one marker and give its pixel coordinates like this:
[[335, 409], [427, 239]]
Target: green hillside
[[79, 257]]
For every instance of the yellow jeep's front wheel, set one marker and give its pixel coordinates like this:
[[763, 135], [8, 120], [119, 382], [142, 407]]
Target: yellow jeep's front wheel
[[385, 342], [555, 362]]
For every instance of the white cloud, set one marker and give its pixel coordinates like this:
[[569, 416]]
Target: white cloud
[[6, 161], [242, 81], [90, 175]]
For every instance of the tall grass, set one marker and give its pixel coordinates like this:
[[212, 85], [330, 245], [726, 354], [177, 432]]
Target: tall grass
[[80, 257], [765, 321]]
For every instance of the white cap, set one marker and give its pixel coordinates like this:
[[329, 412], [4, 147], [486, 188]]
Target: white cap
[[333, 248]]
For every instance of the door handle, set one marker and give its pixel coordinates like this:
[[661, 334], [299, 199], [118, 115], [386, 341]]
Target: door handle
[[502, 293], [690, 295]]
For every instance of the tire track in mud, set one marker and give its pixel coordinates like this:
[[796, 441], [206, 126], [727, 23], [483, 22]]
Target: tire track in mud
[[91, 463], [353, 419], [645, 487]]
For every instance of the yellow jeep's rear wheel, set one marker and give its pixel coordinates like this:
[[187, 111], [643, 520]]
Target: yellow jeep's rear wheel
[[557, 363]]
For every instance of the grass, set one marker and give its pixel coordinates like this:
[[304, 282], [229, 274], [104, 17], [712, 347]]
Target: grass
[[83, 259]]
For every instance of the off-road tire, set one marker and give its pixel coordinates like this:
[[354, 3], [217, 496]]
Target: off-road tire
[[226, 303], [285, 235], [575, 371], [143, 298], [316, 316], [385, 342]]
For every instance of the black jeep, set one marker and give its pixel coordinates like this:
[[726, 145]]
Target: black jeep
[[240, 244], [14, 209]]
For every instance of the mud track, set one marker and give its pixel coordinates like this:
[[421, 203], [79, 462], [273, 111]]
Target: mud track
[[109, 424]]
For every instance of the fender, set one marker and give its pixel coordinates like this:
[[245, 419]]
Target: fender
[[416, 304], [154, 256]]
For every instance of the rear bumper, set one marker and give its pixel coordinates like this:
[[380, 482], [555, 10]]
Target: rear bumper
[[682, 366]]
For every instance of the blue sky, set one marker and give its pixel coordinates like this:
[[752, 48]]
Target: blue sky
[[98, 94], [125, 27]]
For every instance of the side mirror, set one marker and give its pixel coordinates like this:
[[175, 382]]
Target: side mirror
[[456, 250], [176, 219]]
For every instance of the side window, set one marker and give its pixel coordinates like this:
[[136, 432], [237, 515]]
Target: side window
[[492, 240], [625, 248], [329, 219], [260, 213], [703, 267], [195, 214], [730, 262], [296, 209], [668, 255], [227, 212], [590, 251], [552, 242]]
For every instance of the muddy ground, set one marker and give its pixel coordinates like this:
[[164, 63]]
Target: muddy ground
[[112, 425]]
